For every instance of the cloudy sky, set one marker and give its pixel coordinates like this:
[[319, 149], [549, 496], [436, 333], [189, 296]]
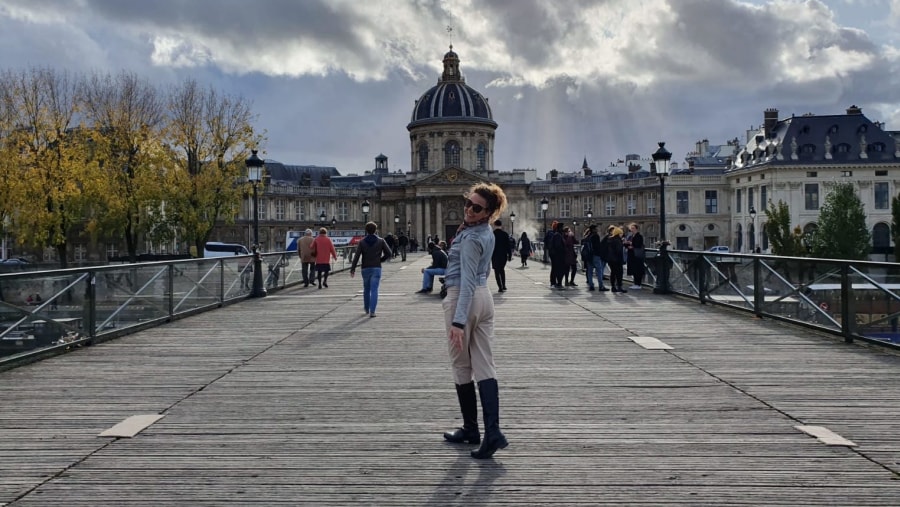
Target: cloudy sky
[[334, 81]]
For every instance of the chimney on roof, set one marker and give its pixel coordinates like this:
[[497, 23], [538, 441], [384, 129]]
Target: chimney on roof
[[554, 175], [853, 110], [587, 170], [770, 119]]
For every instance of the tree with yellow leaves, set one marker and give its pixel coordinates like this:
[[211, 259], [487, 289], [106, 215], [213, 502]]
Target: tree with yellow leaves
[[128, 117], [56, 173], [210, 136]]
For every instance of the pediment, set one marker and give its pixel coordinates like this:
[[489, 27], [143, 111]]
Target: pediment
[[451, 176]]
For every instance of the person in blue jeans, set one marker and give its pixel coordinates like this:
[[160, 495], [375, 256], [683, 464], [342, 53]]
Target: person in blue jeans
[[596, 264], [373, 250], [437, 268]]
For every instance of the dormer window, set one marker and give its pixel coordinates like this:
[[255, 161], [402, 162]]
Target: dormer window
[[808, 149], [842, 148], [805, 129], [876, 147], [833, 129], [862, 129]]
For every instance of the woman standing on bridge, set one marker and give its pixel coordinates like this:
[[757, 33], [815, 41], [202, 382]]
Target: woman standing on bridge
[[469, 317]]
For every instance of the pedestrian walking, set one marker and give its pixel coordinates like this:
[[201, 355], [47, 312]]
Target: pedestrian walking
[[525, 248], [373, 250], [469, 318], [502, 254], [307, 259], [323, 251]]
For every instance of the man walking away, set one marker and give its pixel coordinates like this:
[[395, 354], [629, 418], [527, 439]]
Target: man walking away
[[307, 259], [502, 254], [403, 243], [374, 251]]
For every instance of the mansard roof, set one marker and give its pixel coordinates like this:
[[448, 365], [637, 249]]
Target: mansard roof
[[819, 139], [317, 176]]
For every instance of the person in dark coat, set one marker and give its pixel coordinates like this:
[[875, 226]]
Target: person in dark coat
[[635, 256], [615, 257], [525, 249], [502, 254], [571, 257], [557, 252]]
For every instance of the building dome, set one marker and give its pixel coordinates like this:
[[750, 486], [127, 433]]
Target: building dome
[[451, 100]]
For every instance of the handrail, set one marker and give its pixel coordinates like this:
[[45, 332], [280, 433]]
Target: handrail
[[97, 303], [857, 300]]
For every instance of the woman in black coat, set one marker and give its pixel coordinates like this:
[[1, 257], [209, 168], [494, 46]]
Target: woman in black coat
[[616, 257], [635, 246], [524, 249]]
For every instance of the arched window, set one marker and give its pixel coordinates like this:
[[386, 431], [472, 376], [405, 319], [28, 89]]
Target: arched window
[[881, 238], [451, 154], [481, 162], [739, 237], [765, 238], [423, 156], [751, 237]]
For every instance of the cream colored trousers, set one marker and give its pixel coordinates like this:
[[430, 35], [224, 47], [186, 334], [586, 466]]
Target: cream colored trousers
[[476, 359]]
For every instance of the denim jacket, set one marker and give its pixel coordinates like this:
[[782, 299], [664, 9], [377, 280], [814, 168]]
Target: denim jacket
[[469, 266]]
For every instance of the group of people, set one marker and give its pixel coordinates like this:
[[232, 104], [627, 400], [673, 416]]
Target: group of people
[[614, 249]]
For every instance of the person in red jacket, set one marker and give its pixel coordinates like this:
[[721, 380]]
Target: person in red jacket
[[322, 249]]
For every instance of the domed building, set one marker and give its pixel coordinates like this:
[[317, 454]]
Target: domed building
[[452, 125], [451, 137]]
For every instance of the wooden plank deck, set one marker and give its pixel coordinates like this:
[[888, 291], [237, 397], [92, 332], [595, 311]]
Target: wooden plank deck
[[300, 399]]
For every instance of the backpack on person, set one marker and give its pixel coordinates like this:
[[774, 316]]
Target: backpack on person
[[587, 250]]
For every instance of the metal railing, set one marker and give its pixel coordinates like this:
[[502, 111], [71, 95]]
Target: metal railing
[[858, 300], [48, 312]]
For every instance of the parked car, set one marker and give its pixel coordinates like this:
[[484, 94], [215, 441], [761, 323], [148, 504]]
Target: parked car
[[14, 261], [718, 249]]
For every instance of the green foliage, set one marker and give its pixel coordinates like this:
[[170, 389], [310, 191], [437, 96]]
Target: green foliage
[[782, 238], [842, 231]]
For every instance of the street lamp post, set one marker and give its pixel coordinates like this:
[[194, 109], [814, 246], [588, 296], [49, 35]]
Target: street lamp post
[[365, 209], [752, 212], [512, 223], [322, 218], [397, 224], [590, 216], [661, 159], [255, 168], [544, 205]]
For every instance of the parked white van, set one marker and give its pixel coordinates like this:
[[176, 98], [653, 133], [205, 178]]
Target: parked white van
[[217, 249]]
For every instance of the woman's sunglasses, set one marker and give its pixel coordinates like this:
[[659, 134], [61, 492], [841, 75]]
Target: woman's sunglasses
[[477, 208]]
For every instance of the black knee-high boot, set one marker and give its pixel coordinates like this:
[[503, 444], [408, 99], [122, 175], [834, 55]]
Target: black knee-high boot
[[468, 405], [490, 408]]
